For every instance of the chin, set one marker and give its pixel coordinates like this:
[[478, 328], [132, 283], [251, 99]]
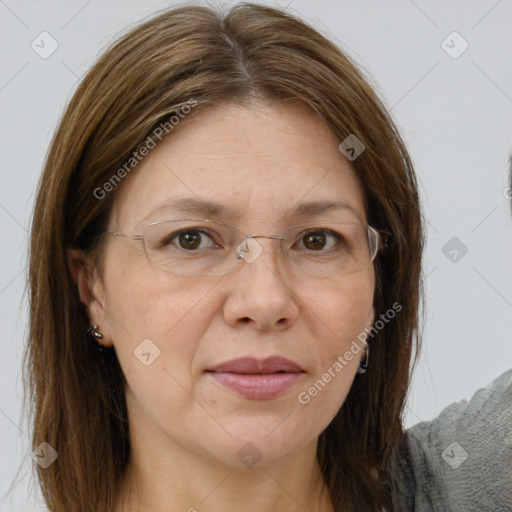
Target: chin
[[260, 443]]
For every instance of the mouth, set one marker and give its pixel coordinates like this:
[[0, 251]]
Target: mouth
[[257, 379], [253, 365]]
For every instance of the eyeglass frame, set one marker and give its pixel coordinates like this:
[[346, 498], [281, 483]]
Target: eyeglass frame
[[377, 233]]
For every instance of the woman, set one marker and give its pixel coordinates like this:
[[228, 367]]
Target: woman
[[226, 228]]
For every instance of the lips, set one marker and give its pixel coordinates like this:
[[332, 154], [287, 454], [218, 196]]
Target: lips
[[251, 365], [257, 379]]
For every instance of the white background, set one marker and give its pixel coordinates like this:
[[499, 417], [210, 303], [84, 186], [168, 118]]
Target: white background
[[455, 116]]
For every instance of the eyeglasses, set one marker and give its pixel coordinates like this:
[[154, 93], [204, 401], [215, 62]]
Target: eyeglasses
[[203, 247]]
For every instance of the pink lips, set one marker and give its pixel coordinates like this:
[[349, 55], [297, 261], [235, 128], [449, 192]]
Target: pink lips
[[257, 379]]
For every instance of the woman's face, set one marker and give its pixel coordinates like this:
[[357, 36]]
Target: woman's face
[[170, 331]]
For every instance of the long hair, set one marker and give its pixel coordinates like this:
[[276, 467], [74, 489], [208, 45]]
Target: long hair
[[76, 394]]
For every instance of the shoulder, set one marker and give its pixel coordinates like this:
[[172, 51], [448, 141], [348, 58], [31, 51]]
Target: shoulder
[[462, 460]]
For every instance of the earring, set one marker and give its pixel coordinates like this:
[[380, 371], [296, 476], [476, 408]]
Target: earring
[[93, 330], [363, 365]]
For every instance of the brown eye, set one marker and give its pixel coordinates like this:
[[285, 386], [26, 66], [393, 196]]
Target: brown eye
[[189, 239], [321, 240], [315, 240]]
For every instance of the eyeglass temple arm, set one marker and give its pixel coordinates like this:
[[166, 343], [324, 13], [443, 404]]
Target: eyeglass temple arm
[[116, 233]]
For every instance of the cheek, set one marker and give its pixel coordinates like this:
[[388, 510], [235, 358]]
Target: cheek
[[158, 326], [144, 305], [341, 314], [337, 316]]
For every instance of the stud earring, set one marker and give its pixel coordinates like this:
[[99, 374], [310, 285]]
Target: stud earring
[[97, 335], [93, 330]]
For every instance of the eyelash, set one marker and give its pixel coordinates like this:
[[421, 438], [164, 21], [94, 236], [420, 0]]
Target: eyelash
[[169, 240]]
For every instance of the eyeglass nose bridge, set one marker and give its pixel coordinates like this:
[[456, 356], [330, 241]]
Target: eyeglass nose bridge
[[249, 250]]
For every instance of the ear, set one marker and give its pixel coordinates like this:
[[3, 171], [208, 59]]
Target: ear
[[91, 291]]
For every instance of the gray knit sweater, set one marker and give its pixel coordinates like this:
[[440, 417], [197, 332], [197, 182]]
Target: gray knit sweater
[[462, 460]]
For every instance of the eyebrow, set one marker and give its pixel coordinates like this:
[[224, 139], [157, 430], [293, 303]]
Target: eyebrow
[[206, 207]]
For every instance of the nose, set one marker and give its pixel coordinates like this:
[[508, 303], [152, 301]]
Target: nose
[[259, 293]]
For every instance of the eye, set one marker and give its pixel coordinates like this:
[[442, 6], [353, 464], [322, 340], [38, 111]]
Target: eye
[[320, 240], [189, 239]]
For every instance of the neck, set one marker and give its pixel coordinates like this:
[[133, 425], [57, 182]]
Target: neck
[[179, 481]]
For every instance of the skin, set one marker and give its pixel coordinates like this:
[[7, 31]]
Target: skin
[[186, 430]]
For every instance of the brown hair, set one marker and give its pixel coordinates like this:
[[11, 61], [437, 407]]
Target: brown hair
[[77, 394]]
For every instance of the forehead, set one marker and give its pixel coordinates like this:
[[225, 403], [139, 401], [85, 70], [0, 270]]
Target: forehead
[[257, 163]]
